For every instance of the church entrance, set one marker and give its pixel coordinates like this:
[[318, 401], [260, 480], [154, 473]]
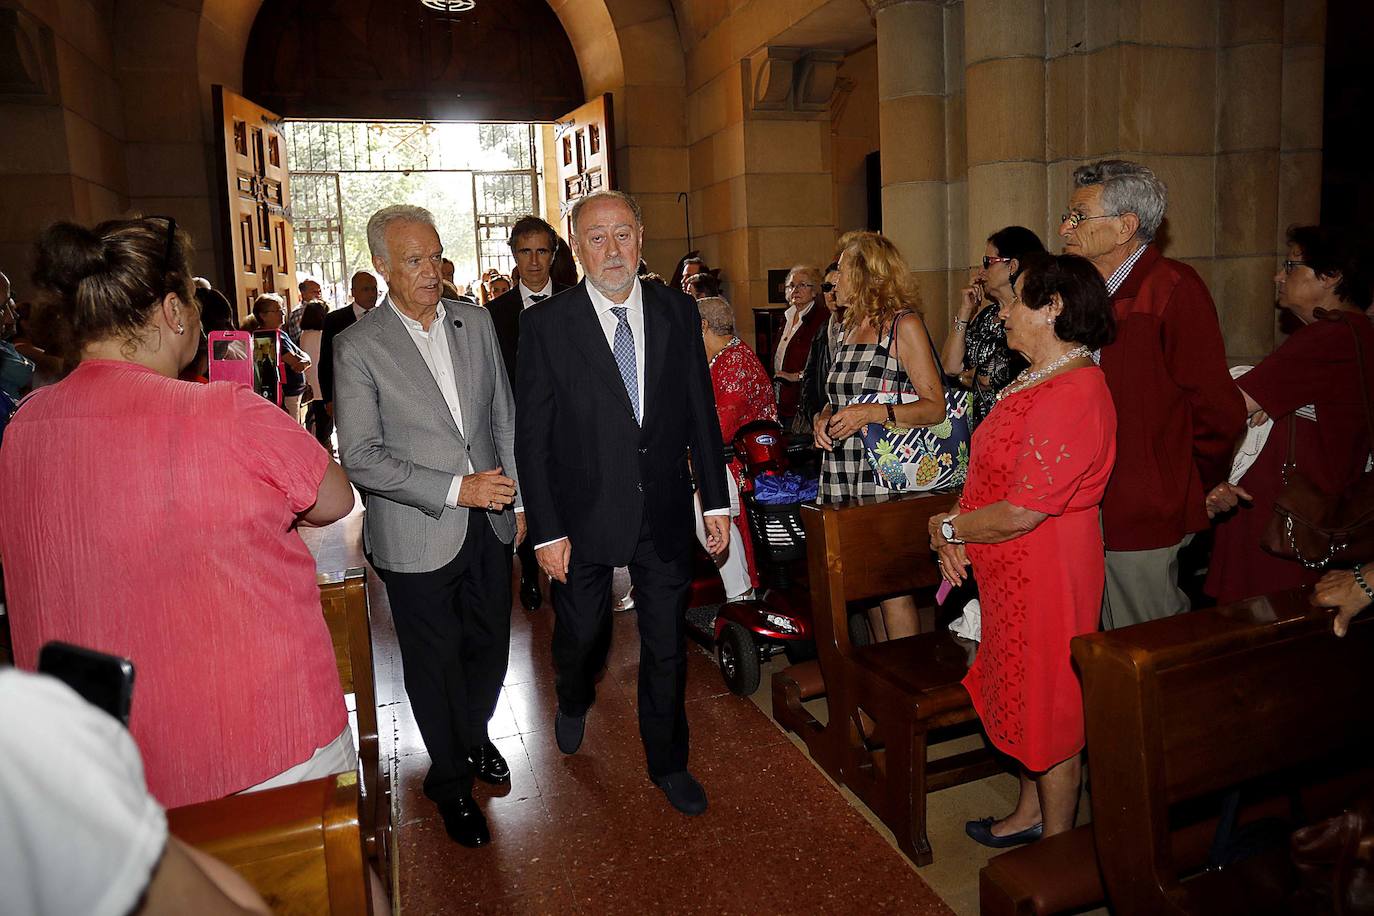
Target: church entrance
[[477, 180]]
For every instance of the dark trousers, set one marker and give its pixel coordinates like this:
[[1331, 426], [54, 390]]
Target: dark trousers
[[453, 627], [318, 421], [529, 566], [582, 639]]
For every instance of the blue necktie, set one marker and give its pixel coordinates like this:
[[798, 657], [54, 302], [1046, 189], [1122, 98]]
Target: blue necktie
[[624, 352]]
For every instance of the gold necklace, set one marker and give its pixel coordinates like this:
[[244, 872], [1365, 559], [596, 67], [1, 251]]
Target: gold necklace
[[1028, 378]]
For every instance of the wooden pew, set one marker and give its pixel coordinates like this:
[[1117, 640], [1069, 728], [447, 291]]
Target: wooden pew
[[298, 845], [1180, 708], [343, 598], [1178, 711], [884, 700]]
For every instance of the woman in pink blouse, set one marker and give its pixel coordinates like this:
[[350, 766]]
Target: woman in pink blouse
[[156, 519]]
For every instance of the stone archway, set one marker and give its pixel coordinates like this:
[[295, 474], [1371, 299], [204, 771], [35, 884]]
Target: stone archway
[[169, 55]]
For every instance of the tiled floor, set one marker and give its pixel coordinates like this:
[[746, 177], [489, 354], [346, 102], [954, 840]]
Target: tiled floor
[[590, 834]]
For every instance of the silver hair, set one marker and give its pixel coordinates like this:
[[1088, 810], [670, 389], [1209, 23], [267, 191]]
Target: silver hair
[[814, 272], [718, 314], [1127, 187], [382, 220], [621, 196]]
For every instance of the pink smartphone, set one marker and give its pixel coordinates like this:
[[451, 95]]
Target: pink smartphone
[[229, 360]]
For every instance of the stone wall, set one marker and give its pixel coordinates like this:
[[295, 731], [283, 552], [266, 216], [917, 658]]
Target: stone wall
[[64, 155]]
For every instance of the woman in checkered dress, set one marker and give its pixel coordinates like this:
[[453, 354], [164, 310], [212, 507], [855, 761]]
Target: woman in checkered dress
[[885, 348]]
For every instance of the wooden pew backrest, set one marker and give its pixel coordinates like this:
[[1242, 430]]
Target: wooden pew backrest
[[298, 845], [1197, 703]]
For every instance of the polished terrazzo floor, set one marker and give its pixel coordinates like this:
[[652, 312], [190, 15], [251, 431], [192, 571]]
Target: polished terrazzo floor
[[590, 834]]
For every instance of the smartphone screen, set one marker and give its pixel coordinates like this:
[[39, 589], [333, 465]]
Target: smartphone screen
[[267, 365]]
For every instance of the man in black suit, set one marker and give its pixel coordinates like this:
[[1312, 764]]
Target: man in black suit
[[363, 288], [612, 393], [533, 244]]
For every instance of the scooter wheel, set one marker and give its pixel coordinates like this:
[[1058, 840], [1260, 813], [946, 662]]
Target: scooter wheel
[[739, 660], [799, 650]]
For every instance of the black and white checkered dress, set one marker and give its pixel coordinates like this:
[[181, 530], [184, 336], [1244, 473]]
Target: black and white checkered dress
[[858, 368]]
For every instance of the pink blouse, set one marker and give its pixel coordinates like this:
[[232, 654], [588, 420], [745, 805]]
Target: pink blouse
[[154, 519]]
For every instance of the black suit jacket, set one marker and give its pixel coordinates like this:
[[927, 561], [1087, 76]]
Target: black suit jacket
[[589, 472], [505, 314], [335, 322]]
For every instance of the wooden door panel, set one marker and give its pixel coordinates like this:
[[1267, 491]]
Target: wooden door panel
[[585, 154], [258, 248]]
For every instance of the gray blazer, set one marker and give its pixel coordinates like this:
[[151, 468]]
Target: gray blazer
[[399, 443]]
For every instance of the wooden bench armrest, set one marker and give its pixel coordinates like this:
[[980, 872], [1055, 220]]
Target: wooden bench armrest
[[298, 845]]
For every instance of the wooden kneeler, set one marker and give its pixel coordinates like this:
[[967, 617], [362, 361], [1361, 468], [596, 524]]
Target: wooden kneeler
[[884, 700], [343, 599]]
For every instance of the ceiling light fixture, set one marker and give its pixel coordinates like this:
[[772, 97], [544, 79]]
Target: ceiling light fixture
[[449, 6]]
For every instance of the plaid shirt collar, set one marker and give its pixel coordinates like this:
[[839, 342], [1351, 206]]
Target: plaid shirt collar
[[1119, 275]]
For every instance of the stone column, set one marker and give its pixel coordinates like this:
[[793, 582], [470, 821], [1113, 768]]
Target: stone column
[[912, 88], [1004, 53]]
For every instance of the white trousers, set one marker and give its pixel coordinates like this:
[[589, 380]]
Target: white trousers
[[733, 566]]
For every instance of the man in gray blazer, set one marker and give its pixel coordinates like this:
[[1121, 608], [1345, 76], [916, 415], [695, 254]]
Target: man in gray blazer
[[426, 433]]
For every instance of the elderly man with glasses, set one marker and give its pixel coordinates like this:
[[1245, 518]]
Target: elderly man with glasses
[[1180, 413]]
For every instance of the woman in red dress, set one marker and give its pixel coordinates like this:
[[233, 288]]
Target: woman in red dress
[[1028, 524], [743, 394], [156, 519], [1312, 389]]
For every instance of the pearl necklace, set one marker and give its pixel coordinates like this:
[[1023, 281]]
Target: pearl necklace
[[1028, 378]]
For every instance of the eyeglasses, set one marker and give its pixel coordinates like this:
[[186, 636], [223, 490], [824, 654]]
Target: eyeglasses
[[827, 287], [1290, 265], [800, 286], [989, 261], [1073, 218]]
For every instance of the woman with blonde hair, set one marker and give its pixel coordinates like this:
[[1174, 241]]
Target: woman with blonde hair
[[885, 347]]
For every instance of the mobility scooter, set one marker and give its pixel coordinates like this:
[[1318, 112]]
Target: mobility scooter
[[745, 634]]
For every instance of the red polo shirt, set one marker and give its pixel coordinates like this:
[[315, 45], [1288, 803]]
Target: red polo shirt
[[1180, 414]]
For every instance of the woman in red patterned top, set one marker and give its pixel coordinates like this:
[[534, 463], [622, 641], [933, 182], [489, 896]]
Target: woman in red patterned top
[[743, 394], [156, 519], [1029, 517]]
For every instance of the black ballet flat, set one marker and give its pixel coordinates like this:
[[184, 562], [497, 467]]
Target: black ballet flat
[[981, 832]]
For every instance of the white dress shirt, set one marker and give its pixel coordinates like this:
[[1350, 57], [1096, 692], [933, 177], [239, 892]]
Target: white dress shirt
[[359, 311], [527, 295], [634, 316], [433, 347], [791, 323]]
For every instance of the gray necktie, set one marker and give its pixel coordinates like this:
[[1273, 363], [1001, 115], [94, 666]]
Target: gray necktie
[[624, 351]]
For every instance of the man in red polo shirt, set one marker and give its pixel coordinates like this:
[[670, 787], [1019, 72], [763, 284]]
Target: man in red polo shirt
[[1180, 414]]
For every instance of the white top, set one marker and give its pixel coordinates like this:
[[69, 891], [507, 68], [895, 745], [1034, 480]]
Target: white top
[[310, 343], [527, 295], [791, 322], [81, 833], [635, 317], [433, 347], [359, 311]]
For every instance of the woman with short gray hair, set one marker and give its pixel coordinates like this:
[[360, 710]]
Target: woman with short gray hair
[[743, 395]]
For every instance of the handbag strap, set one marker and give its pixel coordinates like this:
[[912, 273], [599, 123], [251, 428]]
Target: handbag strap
[[891, 349]]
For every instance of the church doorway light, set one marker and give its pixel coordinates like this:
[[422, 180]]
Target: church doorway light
[[476, 178]]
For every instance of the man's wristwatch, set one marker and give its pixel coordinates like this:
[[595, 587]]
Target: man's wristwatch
[[947, 530], [891, 421]]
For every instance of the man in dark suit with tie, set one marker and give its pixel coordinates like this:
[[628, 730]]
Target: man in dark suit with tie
[[533, 244], [612, 394], [363, 288]]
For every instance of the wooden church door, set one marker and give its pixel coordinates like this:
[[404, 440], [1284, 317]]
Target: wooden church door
[[585, 152], [256, 190]]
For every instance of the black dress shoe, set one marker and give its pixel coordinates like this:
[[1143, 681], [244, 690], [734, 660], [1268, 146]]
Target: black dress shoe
[[530, 596], [489, 766], [981, 831], [568, 730], [465, 822], [683, 792]]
